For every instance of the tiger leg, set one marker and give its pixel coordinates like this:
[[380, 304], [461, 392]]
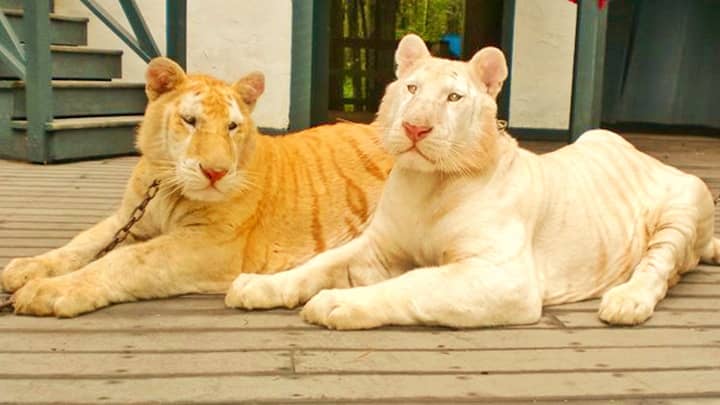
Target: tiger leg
[[683, 232], [71, 257], [352, 264]]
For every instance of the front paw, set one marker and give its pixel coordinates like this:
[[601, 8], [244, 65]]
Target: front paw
[[62, 297], [626, 304], [260, 291], [20, 271], [342, 309]]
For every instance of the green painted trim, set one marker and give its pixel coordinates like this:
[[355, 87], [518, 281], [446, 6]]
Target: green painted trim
[[301, 62], [508, 38], [139, 26], [176, 33], [124, 35], [310, 64], [10, 47], [588, 66], [38, 78], [539, 134], [320, 79]]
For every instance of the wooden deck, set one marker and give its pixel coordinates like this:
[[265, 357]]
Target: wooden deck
[[193, 350]]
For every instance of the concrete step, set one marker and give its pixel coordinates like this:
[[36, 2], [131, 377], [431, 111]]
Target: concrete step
[[72, 98], [79, 63], [76, 138], [63, 30]]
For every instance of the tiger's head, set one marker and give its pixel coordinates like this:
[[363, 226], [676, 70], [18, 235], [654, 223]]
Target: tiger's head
[[439, 115], [197, 130]]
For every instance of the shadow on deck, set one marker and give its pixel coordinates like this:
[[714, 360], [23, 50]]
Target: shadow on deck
[[193, 350]]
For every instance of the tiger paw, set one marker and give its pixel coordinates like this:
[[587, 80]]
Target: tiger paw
[[626, 304], [19, 271], [259, 291], [341, 309], [63, 297]]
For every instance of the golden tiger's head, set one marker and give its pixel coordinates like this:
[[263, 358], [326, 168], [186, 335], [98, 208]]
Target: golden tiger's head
[[439, 115], [198, 129]]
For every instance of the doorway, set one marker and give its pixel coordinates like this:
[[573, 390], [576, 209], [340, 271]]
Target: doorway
[[365, 33]]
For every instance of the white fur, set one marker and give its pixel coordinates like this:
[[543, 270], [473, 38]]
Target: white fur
[[485, 233]]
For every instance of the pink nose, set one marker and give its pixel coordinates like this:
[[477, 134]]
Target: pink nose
[[416, 133], [213, 175]]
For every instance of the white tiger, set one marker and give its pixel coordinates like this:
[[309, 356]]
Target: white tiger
[[474, 231]]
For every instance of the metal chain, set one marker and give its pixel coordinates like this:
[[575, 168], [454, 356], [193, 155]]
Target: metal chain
[[119, 237], [6, 302], [135, 216]]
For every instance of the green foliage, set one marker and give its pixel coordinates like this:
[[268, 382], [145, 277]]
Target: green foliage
[[430, 19]]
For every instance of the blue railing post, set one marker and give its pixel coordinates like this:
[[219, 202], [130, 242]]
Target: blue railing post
[[38, 78], [176, 34]]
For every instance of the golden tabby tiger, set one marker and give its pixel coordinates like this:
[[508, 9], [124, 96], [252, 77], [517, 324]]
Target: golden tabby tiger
[[230, 201]]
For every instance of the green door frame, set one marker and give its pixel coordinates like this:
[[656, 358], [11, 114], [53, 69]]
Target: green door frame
[[309, 61], [309, 76]]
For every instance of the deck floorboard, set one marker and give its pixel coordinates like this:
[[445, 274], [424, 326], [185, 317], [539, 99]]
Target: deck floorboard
[[192, 349]]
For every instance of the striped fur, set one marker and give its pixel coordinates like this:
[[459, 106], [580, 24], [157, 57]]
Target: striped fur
[[472, 230], [281, 200]]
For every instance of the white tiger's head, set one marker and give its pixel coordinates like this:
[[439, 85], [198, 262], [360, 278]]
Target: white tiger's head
[[439, 115]]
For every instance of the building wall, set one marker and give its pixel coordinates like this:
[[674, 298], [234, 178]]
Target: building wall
[[226, 38], [543, 47]]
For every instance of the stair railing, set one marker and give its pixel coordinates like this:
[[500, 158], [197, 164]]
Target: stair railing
[[33, 64]]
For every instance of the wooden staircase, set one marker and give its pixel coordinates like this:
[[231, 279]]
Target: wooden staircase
[[94, 114]]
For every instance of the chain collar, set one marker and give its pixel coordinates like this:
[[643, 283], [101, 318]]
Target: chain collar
[[135, 216]]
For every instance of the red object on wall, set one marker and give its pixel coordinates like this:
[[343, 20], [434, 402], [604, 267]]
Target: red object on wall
[[601, 3]]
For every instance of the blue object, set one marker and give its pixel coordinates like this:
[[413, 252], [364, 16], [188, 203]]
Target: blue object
[[454, 44]]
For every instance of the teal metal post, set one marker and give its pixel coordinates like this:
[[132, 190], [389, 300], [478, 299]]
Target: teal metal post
[[38, 79], [586, 104], [176, 35]]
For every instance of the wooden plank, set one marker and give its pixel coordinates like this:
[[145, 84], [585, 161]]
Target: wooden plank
[[507, 361], [35, 233], [322, 339], [341, 388], [33, 242], [694, 290], [124, 365], [128, 317], [673, 303], [683, 319], [90, 212]]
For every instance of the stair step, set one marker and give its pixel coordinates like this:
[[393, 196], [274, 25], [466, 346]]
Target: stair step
[[11, 4], [63, 30], [79, 63], [77, 138], [81, 98]]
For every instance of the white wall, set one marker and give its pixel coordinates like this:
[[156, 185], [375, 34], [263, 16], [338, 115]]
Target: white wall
[[226, 38], [543, 47]]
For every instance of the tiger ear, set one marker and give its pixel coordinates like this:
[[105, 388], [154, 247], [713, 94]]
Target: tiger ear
[[162, 75], [410, 50], [489, 67], [250, 87]]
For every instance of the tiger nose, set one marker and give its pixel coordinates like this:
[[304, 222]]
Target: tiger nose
[[416, 133], [213, 175]]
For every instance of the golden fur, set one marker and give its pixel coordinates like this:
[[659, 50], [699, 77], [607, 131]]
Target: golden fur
[[275, 201]]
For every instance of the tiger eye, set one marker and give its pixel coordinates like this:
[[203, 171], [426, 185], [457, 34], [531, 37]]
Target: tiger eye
[[454, 97], [189, 120], [232, 126], [412, 88]]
